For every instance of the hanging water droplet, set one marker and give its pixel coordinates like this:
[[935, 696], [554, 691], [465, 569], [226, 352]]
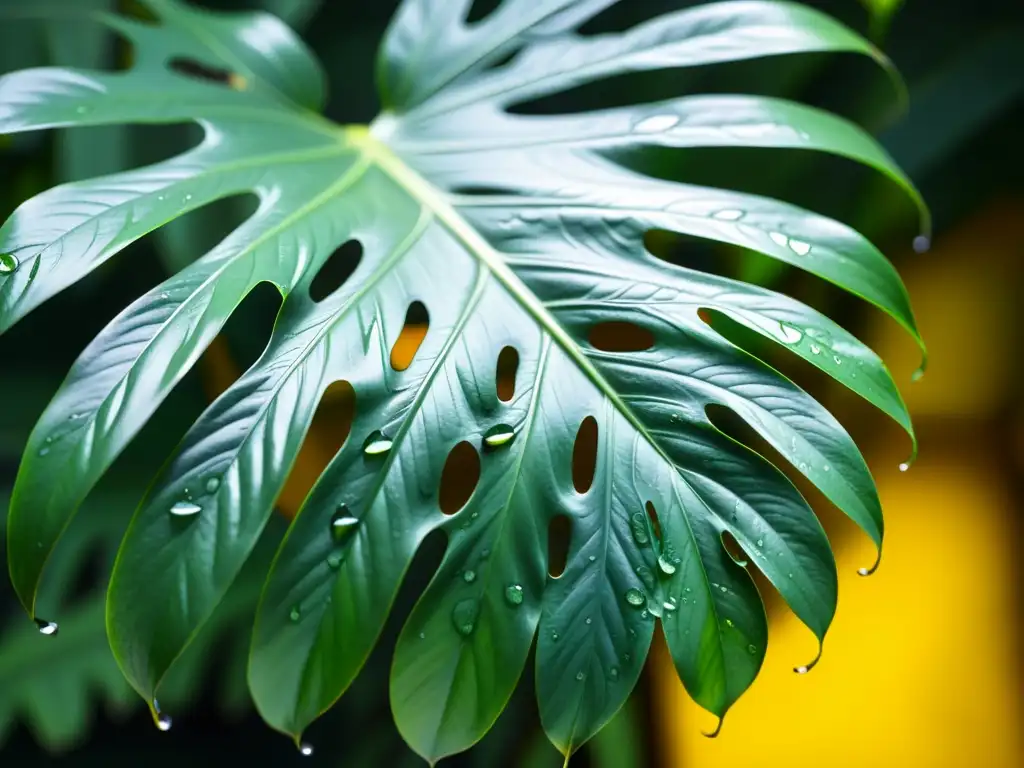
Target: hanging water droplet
[[8, 263], [922, 243], [638, 525], [514, 595], [342, 524], [48, 628], [163, 721], [799, 247], [635, 598], [778, 238], [464, 616], [469, 577], [728, 214], [666, 565], [305, 749], [802, 670], [294, 614], [377, 444], [656, 124], [815, 349], [334, 560], [499, 436], [904, 467], [185, 509]]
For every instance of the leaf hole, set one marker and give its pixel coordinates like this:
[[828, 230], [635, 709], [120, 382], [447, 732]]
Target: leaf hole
[[508, 366], [459, 478], [584, 455], [328, 432], [417, 322], [336, 271], [197, 70], [652, 516], [470, 190], [620, 336], [559, 539], [481, 9]]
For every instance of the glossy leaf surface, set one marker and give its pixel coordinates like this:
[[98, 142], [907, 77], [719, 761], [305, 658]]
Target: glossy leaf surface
[[511, 231]]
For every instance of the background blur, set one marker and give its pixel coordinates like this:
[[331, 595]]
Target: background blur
[[923, 664]]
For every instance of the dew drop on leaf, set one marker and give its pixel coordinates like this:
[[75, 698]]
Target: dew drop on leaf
[[790, 335], [728, 214], [669, 606], [635, 598], [799, 247], [666, 565], [377, 444], [44, 451], [613, 673], [728, 623], [514, 595], [212, 485], [645, 576], [48, 628], [464, 616], [589, 621], [185, 509], [778, 238], [294, 614], [752, 649], [469, 577], [656, 124], [342, 524], [499, 436], [638, 525], [815, 349], [334, 560], [581, 676]]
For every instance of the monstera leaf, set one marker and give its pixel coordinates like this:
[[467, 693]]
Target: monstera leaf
[[520, 240]]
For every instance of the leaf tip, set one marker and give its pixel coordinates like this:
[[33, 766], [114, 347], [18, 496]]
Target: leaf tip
[[718, 729], [878, 559], [803, 669]]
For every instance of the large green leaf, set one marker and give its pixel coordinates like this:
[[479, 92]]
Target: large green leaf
[[513, 231]]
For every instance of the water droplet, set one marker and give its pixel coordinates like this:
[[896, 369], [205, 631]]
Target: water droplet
[[377, 444], [464, 616], [904, 467], [164, 722], [687, 590], [581, 676], [44, 451], [469, 577], [212, 484], [638, 525], [790, 575], [799, 247], [514, 595], [81, 110], [802, 670], [342, 524], [499, 436], [589, 621], [613, 673], [305, 749], [837, 359], [669, 606], [656, 124], [185, 509], [187, 198], [728, 214], [294, 614], [752, 649], [49, 440], [724, 588], [8, 263], [666, 565], [47, 628], [334, 560], [728, 623], [760, 542], [554, 636], [815, 349], [643, 614], [474, 516], [789, 335], [922, 243], [635, 598], [645, 576], [423, 635], [778, 238]]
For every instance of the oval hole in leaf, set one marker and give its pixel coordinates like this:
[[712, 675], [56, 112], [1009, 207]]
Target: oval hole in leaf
[[417, 322], [336, 270], [508, 366], [197, 70], [330, 428], [459, 478], [559, 538], [584, 455], [481, 9], [620, 336], [652, 515]]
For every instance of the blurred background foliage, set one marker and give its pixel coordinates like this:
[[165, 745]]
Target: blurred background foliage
[[922, 666]]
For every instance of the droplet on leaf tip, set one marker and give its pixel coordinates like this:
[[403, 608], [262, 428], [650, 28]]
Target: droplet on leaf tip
[[922, 243], [48, 628], [904, 466], [305, 749]]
